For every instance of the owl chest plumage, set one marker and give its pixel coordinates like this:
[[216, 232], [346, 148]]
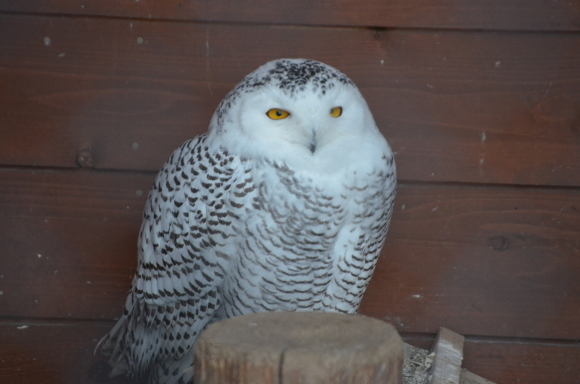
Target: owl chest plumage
[[310, 243], [265, 236], [284, 256], [277, 239]]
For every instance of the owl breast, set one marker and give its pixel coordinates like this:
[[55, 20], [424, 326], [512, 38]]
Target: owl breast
[[308, 241]]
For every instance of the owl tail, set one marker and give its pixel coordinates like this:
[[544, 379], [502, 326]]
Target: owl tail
[[113, 343], [110, 346], [172, 371]]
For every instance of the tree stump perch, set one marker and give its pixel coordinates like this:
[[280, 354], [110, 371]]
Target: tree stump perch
[[299, 347]]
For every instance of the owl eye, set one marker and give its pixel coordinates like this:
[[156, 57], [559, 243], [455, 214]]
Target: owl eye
[[277, 114], [336, 111]]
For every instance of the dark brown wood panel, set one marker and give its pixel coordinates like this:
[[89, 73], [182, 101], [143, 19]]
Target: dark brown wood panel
[[487, 261], [492, 14], [53, 354], [466, 107], [63, 354], [514, 362], [69, 242], [480, 261]]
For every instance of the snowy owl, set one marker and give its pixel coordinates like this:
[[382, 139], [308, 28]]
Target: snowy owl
[[283, 205]]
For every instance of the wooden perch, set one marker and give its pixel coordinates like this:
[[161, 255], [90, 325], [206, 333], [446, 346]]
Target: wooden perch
[[299, 347], [448, 350]]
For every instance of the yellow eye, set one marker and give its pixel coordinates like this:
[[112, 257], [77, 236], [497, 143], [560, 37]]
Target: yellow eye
[[277, 114], [336, 111]]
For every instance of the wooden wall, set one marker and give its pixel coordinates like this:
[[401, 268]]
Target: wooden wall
[[479, 100]]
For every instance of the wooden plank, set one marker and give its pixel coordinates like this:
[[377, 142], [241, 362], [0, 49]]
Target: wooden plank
[[494, 261], [481, 261], [456, 107], [493, 14], [511, 361], [471, 378], [418, 364], [53, 354], [69, 242], [62, 353], [448, 348]]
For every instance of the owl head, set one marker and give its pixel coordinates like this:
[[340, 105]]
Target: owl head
[[301, 112]]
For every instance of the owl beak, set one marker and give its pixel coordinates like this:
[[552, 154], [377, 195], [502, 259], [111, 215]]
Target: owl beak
[[313, 142]]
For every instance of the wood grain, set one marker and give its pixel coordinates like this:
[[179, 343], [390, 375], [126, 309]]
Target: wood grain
[[486, 261], [54, 353], [468, 377], [69, 242], [448, 348], [299, 348], [62, 353], [479, 261], [492, 14], [507, 362], [456, 107]]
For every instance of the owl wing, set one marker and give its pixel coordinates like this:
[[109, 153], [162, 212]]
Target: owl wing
[[175, 289]]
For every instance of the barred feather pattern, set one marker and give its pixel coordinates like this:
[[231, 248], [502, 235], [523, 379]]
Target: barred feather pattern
[[232, 241], [307, 247], [175, 289], [225, 234]]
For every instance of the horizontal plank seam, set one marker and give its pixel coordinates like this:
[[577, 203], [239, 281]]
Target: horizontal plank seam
[[321, 26], [54, 322], [459, 184], [400, 182], [202, 21], [51, 322], [70, 170], [497, 340]]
